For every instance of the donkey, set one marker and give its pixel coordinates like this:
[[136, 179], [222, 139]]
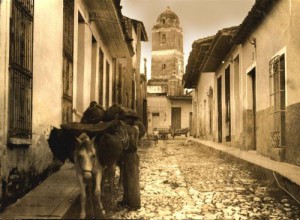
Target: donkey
[[93, 157], [89, 174]]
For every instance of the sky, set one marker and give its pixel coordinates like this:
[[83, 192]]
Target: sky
[[198, 19]]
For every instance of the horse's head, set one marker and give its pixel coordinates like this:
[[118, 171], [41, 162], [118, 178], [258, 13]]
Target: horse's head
[[85, 156]]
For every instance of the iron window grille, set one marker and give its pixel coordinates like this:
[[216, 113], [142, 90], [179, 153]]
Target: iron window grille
[[107, 84], [277, 100], [21, 69], [101, 77], [68, 44]]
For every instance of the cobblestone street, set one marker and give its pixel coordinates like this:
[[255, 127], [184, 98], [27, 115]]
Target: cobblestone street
[[179, 180], [184, 180]]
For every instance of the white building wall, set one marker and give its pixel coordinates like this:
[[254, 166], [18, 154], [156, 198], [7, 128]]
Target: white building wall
[[186, 108], [46, 90], [163, 106], [202, 123], [4, 62], [82, 85]]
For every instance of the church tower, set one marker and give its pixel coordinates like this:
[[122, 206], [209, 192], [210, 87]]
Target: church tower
[[167, 54]]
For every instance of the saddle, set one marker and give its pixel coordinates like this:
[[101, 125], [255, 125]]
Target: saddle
[[77, 128], [96, 121]]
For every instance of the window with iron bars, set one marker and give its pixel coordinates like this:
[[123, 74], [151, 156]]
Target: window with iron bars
[[20, 69], [107, 84], [68, 42], [277, 100], [101, 75]]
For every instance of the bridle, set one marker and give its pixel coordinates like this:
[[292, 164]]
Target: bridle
[[86, 171]]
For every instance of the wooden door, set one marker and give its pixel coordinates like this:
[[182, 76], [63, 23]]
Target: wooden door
[[176, 118], [253, 79], [219, 109], [227, 105]]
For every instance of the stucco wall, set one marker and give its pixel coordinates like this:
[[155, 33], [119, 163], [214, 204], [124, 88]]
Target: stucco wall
[[163, 105], [186, 108], [158, 104], [277, 34], [293, 88], [202, 119], [273, 37], [4, 62], [27, 163], [82, 89]]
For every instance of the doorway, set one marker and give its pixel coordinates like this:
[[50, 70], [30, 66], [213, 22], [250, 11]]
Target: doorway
[[252, 75], [219, 100], [176, 118], [80, 64], [227, 105]]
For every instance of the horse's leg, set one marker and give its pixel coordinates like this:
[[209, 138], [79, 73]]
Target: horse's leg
[[120, 184], [111, 179], [120, 164], [100, 213], [82, 197]]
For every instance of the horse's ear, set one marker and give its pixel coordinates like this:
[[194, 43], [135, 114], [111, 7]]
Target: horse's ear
[[78, 140], [93, 139]]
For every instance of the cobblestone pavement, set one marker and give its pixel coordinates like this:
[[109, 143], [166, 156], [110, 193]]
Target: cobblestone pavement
[[182, 180], [179, 180]]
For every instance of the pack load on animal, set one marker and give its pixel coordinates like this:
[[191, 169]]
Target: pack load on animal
[[113, 135]]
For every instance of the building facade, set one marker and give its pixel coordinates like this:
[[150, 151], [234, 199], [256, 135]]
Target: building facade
[[256, 106], [51, 67], [168, 107]]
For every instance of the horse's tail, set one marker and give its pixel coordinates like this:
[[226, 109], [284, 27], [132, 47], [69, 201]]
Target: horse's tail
[[142, 129]]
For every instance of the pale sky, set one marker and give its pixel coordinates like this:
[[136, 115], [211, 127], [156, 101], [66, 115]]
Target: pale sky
[[198, 18]]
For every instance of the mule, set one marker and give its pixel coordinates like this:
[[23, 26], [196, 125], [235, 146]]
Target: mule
[[92, 157]]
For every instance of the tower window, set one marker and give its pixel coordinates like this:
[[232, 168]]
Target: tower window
[[164, 20], [163, 39], [163, 66]]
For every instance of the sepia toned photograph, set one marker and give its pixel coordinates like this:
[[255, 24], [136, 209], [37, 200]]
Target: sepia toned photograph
[[150, 109]]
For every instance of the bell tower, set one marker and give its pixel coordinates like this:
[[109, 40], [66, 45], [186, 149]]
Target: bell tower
[[167, 53]]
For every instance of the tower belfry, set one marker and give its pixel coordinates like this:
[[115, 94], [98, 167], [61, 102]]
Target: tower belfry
[[167, 53]]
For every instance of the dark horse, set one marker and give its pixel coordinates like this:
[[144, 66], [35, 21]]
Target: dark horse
[[93, 156]]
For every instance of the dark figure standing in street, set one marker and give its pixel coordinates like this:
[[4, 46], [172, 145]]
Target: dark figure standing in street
[[155, 136]]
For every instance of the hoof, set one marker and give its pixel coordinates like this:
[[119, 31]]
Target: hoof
[[122, 204], [133, 208]]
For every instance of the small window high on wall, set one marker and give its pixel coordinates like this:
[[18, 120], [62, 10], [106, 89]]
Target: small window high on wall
[[277, 100]]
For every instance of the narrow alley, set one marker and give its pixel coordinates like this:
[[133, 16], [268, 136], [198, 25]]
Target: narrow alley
[[184, 180], [94, 85]]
